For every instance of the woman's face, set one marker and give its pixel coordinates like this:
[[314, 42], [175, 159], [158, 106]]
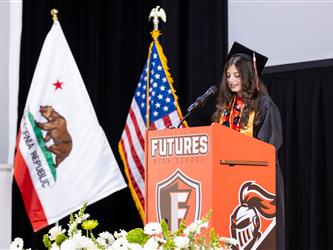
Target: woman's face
[[234, 80]]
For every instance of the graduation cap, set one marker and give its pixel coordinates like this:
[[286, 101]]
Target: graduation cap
[[257, 59]]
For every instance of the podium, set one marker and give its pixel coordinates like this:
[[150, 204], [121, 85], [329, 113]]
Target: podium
[[190, 171]]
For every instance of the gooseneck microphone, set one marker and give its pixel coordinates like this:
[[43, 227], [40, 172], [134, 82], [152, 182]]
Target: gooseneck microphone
[[199, 102]]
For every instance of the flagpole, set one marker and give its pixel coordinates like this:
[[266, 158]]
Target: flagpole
[[147, 95], [155, 13], [54, 13]]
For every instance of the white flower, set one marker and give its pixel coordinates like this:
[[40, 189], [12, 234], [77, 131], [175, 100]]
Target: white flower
[[120, 243], [195, 227], [160, 240], [55, 231], [151, 244], [205, 225], [153, 228], [54, 246], [181, 241], [231, 241], [134, 246], [68, 244], [80, 219], [78, 242], [121, 234], [71, 228], [105, 239], [17, 244], [101, 242]]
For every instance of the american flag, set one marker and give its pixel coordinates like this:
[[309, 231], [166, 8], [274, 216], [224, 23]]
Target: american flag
[[164, 112]]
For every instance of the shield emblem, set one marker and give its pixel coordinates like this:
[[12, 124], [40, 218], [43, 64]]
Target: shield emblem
[[178, 197]]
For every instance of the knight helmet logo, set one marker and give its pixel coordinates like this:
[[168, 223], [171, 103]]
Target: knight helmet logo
[[178, 198], [255, 203]]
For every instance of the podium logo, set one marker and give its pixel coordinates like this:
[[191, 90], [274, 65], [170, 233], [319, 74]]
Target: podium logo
[[178, 198], [179, 146], [255, 205]]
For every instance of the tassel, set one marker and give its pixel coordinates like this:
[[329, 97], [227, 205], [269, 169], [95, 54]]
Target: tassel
[[255, 69]]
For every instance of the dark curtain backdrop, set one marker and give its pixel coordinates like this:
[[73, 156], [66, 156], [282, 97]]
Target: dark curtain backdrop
[[304, 98], [110, 41]]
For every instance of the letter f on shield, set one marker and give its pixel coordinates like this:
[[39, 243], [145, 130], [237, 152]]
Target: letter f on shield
[[178, 198]]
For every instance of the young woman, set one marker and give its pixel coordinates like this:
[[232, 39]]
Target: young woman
[[244, 105]]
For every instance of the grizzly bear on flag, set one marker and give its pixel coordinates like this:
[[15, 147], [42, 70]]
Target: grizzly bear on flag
[[57, 130]]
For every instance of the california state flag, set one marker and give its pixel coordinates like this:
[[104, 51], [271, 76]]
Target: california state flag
[[63, 158]]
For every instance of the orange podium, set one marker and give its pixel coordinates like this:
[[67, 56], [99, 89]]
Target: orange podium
[[190, 171]]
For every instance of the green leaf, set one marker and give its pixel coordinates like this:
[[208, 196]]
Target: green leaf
[[207, 216], [60, 239], [46, 241], [165, 229], [214, 240], [167, 236], [181, 228], [138, 236]]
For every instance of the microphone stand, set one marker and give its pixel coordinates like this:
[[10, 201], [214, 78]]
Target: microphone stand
[[194, 106], [199, 102], [183, 119]]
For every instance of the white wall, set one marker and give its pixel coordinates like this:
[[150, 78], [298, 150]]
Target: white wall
[[285, 31], [6, 181], [10, 30], [4, 86], [15, 27]]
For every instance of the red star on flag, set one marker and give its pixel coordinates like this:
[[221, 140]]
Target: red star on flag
[[58, 85]]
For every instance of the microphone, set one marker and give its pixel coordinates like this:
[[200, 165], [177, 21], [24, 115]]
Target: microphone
[[199, 102]]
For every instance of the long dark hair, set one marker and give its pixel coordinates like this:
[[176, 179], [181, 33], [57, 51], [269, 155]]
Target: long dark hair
[[251, 95]]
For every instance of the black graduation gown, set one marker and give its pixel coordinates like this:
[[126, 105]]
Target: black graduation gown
[[270, 131]]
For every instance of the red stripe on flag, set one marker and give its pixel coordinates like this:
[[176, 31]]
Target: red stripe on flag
[[134, 183], [167, 121], [153, 126], [130, 172], [31, 200], [137, 129], [134, 154]]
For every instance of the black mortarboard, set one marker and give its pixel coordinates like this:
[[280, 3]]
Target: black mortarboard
[[241, 50]]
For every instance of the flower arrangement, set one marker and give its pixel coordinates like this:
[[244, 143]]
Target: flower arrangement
[[157, 236]]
